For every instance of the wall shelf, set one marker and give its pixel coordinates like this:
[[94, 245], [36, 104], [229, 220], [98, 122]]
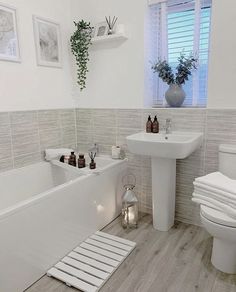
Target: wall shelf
[[109, 38]]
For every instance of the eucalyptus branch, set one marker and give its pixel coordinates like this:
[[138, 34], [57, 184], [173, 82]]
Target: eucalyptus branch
[[182, 71]]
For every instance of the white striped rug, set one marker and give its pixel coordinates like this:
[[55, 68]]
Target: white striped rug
[[92, 263]]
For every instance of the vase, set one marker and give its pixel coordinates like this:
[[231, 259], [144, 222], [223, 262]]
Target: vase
[[175, 95]]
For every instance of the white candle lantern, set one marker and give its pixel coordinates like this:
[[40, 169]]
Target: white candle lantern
[[129, 207]]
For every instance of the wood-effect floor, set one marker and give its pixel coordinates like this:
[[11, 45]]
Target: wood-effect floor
[[174, 261]]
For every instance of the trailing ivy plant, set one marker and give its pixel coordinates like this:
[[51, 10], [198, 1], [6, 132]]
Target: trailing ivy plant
[[80, 43]]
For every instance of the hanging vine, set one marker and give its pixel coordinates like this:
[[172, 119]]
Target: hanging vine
[[80, 43]]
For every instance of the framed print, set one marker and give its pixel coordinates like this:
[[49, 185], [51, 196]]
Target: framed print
[[101, 29], [9, 43], [48, 42]]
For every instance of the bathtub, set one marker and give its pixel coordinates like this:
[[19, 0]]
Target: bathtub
[[47, 209]]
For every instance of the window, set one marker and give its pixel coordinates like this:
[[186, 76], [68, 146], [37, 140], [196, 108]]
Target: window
[[178, 26]]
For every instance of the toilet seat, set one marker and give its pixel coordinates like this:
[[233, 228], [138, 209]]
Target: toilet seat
[[217, 217]]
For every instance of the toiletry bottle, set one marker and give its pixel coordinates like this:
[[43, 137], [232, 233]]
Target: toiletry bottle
[[81, 161], [149, 125], [62, 159], [72, 159], [155, 125], [92, 164]]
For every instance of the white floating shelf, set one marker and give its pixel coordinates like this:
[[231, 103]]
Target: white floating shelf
[[108, 38]]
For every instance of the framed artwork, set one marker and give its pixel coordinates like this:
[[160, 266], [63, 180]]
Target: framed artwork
[[9, 42], [48, 42], [101, 29]]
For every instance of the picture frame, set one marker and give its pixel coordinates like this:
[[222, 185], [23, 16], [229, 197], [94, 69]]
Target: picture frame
[[101, 29], [9, 38], [48, 43]]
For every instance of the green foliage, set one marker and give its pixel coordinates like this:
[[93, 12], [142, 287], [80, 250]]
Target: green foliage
[[183, 70], [80, 43]]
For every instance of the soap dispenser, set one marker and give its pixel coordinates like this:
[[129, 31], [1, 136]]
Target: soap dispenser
[[149, 125], [155, 126]]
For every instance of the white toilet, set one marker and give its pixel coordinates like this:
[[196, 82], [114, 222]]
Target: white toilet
[[218, 224]]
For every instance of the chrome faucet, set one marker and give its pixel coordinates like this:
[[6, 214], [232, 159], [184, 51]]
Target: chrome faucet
[[167, 127], [94, 149]]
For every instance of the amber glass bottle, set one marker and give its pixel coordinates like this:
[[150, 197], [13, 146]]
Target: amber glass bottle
[[155, 125], [149, 125]]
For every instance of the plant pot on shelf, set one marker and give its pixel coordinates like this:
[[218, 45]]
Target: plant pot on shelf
[[175, 95]]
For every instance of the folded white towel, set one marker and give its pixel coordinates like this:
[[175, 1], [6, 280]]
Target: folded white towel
[[217, 205], [51, 154], [214, 195], [226, 195], [204, 203], [219, 181]]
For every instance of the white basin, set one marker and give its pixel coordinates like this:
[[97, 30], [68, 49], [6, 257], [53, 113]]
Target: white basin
[[164, 150], [177, 145]]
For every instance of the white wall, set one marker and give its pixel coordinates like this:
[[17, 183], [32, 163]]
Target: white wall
[[222, 69], [116, 77], [26, 86]]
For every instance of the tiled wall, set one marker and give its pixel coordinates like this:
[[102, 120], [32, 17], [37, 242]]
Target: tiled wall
[[24, 136]]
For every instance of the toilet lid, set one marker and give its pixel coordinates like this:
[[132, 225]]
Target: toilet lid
[[217, 216]]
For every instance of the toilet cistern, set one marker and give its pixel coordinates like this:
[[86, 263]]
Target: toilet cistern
[[164, 153]]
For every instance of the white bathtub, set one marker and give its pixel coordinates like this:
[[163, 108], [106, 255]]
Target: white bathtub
[[46, 210]]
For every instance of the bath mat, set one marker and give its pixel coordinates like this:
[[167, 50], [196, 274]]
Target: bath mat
[[92, 263]]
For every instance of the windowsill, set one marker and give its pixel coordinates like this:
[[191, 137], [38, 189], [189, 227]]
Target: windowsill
[[182, 107]]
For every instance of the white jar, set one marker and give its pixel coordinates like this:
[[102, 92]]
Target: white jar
[[115, 152]]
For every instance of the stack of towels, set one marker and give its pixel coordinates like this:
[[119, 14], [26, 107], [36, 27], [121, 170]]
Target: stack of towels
[[217, 191]]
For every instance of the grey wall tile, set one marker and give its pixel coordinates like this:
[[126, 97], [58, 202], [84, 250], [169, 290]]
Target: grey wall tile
[[67, 118], [5, 147], [50, 138], [24, 144], [6, 164], [27, 159], [220, 129], [49, 119], [24, 123], [5, 138]]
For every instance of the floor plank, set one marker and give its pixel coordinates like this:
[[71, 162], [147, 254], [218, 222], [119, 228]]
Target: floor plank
[[174, 261]]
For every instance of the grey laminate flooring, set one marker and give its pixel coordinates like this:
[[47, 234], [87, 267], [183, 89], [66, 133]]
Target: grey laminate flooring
[[174, 261]]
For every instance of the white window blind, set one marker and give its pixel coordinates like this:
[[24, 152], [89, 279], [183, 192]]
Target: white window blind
[[178, 26]]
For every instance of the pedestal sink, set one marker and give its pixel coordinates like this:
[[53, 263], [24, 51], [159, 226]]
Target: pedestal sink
[[164, 149]]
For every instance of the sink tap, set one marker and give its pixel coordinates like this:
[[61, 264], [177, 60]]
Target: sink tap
[[167, 126], [94, 149]]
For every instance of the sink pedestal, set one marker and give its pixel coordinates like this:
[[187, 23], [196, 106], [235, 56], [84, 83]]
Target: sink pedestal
[[163, 192], [164, 150]]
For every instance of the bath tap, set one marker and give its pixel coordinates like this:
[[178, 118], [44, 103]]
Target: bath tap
[[94, 149], [167, 127]]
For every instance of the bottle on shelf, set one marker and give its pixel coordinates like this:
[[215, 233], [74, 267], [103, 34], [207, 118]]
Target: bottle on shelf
[[149, 125], [155, 125], [72, 159], [81, 161]]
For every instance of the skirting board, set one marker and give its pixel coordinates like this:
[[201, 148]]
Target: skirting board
[[92, 263]]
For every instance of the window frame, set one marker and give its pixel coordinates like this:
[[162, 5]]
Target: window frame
[[174, 6]]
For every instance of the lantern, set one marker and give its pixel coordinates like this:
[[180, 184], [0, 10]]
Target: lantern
[[129, 206]]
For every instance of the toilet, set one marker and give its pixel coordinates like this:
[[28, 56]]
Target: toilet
[[218, 224]]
